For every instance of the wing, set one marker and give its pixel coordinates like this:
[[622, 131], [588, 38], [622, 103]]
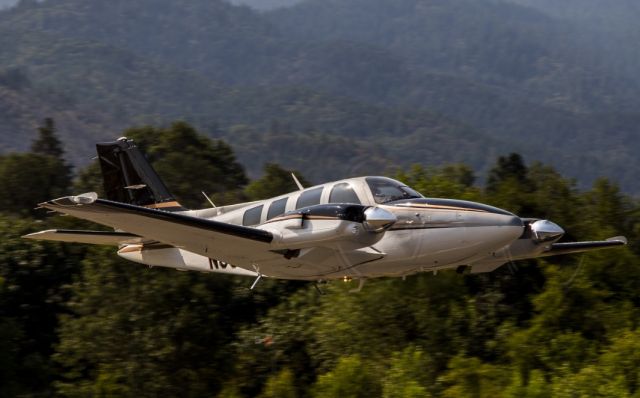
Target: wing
[[579, 247], [91, 237], [526, 249], [237, 245]]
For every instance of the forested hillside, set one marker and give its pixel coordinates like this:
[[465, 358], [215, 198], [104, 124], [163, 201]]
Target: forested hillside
[[77, 321], [453, 80]]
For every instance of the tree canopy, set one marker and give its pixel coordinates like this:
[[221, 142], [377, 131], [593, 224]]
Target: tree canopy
[[78, 321]]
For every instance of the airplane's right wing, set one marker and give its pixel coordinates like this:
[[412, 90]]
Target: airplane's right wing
[[238, 245], [91, 237]]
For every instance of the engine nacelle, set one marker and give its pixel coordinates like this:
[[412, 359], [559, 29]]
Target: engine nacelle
[[323, 224]]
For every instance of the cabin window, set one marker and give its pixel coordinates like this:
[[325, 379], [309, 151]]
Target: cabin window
[[277, 208], [309, 198], [252, 216], [343, 193]]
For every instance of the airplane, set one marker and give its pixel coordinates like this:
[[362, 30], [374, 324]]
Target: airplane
[[351, 229]]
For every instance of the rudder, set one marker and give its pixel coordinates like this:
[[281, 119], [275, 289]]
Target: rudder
[[128, 177]]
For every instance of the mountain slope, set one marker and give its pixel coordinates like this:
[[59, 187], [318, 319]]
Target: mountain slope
[[23, 106], [429, 80]]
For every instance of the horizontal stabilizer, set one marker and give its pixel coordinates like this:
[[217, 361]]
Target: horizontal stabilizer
[[91, 237]]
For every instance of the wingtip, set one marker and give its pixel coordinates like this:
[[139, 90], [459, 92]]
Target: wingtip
[[622, 239], [82, 199], [36, 235]]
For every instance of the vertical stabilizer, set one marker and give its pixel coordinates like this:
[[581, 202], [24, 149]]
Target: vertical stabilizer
[[128, 177]]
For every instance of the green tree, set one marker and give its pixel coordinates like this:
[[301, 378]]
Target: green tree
[[161, 333], [275, 181], [280, 385], [89, 179], [28, 179], [471, 378], [554, 197], [33, 276], [507, 167], [452, 181], [536, 386], [409, 375], [508, 185], [607, 209], [190, 163], [351, 378], [47, 143]]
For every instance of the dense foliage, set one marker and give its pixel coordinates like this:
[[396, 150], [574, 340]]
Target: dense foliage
[[78, 321]]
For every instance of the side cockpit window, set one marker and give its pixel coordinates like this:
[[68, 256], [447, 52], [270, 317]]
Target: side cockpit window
[[387, 190], [252, 216], [277, 208], [343, 193], [309, 198]]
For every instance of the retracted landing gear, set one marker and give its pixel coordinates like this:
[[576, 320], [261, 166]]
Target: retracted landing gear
[[361, 283]]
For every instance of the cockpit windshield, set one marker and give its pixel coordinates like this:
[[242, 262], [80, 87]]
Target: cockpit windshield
[[387, 190]]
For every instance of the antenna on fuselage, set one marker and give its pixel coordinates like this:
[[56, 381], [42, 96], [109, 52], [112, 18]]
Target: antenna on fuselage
[[295, 179], [210, 201]]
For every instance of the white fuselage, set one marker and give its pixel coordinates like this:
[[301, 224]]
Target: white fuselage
[[428, 234]]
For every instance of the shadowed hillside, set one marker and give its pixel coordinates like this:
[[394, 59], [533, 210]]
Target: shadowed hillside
[[505, 76]]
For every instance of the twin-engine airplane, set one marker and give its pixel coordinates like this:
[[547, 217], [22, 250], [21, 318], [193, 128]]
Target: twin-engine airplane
[[357, 228]]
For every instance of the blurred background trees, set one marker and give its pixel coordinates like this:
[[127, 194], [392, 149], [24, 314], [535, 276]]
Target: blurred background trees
[[78, 321]]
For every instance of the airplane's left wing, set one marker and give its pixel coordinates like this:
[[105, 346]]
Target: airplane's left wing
[[237, 245], [526, 249], [579, 247]]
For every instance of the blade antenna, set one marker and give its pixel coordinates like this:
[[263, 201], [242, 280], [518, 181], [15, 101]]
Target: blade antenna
[[210, 201], [257, 269], [295, 179]]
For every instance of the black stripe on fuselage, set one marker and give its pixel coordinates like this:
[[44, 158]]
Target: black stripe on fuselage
[[447, 204], [454, 224], [409, 227]]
